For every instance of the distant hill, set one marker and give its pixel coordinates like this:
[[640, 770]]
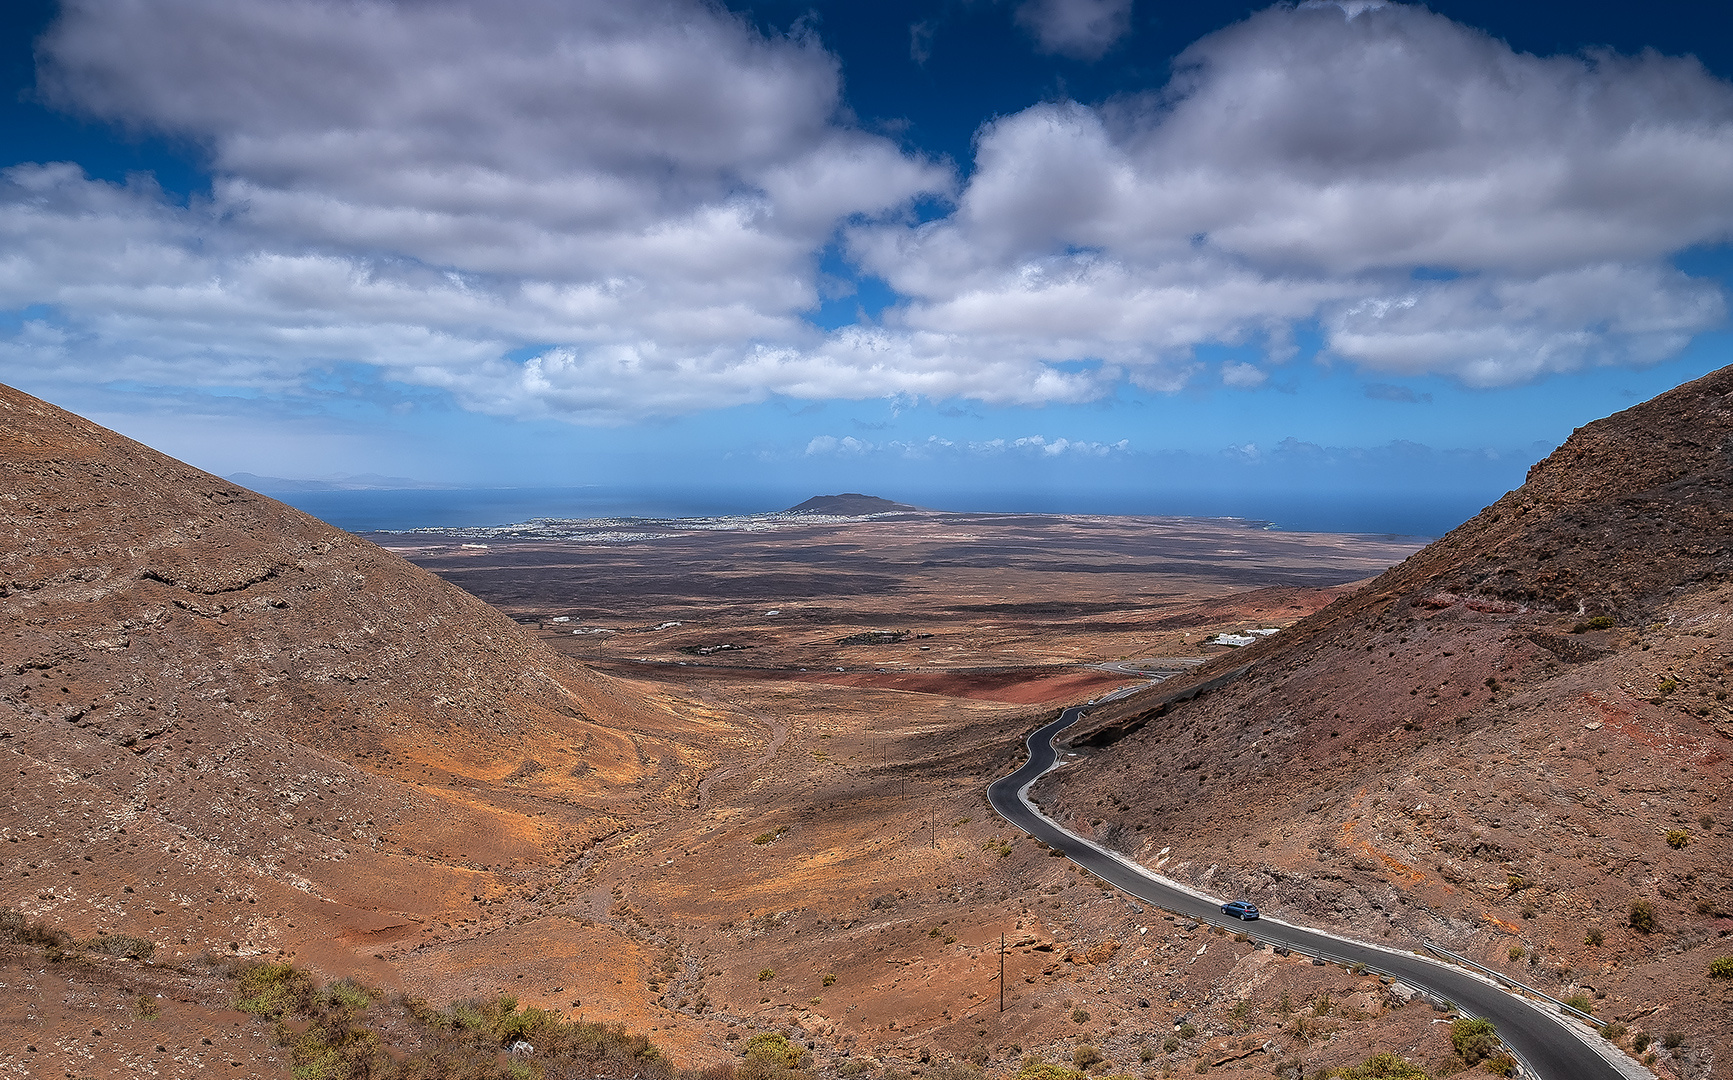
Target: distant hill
[[849, 505]]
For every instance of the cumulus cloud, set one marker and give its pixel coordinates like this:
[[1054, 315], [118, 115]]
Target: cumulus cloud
[[1083, 29], [1303, 164], [600, 211]]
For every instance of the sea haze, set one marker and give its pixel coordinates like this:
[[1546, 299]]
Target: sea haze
[[1354, 511]]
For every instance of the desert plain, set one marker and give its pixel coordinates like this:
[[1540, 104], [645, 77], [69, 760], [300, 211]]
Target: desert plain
[[712, 780]]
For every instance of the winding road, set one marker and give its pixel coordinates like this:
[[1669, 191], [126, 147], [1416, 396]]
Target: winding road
[[1549, 1048]]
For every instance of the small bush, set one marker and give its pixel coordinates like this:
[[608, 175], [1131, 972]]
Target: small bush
[[1721, 967], [1581, 1003], [123, 945], [1382, 1067], [1501, 1064], [1641, 1041], [1086, 1055], [1036, 1069], [1474, 1040], [1593, 936], [1599, 622], [1667, 686], [1677, 838], [1517, 952], [1613, 1031], [1643, 916], [1170, 1044], [1079, 1016], [271, 990], [766, 975], [828, 980], [1186, 1031], [1146, 1053], [16, 929], [1672, 1040]]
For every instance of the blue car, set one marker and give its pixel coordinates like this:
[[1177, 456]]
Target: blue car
[[1244, 910]]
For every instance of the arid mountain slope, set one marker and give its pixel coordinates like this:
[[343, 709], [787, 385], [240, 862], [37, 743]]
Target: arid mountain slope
[[1502, 743], [226, 723]]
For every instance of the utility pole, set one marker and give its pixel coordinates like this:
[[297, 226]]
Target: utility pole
[[1001, 971]]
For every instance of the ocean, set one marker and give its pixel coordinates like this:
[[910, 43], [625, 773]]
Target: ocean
[[1403, 513]]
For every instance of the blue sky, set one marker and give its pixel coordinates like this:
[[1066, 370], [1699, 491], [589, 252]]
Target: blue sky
[[1073, 254]]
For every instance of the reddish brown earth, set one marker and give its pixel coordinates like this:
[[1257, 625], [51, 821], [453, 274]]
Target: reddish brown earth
[[1457, 752], [236, 730]]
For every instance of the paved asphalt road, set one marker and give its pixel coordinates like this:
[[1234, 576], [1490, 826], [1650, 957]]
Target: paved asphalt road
[[1549, 1047]]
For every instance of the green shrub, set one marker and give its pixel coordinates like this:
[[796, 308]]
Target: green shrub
[[1613, 1031], [1035, 1069], [1641, 1041], [1473, 1040], [829, 979], [1187, 1032], [1086, 1055], [1721, 967], [1581, 1003], [1079, 1016], [1501, 1064], [766, 975], [1593, 936], [1599, 622], [1643, 916], [1170, 1044], [1672, 1040], [771, 1048], [272, 990], [1677, 838], [1381, 1067], [1517, 952], [1146, 1053]]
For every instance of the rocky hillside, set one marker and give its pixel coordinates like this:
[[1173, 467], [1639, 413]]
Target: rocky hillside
[[1516, 742], [227, 725]]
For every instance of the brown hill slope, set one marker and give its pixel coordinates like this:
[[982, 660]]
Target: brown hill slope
[[226, 723], [1502, 743]]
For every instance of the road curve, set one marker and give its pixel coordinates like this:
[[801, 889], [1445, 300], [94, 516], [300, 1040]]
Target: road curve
[[1550, 1048]]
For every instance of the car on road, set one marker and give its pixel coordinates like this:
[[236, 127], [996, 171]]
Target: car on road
[[1244, 910]]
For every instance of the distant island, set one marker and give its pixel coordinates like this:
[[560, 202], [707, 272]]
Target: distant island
[[850, 505]]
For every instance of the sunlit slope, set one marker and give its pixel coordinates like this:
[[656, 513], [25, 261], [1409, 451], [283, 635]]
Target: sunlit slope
[[265, 731]]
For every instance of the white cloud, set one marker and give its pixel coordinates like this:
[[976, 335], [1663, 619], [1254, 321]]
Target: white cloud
[[1083, 29], [1302, 165], [602, 212], [1037, 446], [1244, 376]]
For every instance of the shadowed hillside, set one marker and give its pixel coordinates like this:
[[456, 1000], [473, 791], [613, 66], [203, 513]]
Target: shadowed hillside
[[1505, 742]]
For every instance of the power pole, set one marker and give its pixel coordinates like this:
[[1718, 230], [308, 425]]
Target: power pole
[[1001, 971]]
